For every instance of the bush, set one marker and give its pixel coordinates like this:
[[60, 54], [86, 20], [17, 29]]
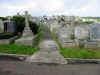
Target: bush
[[3, 18], [34, 27], [20, 24]]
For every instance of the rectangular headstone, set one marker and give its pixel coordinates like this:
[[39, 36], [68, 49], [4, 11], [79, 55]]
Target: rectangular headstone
[[9, 26], [82, 32], [95, 32]]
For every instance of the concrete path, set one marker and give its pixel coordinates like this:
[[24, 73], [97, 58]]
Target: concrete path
[[49, 51]]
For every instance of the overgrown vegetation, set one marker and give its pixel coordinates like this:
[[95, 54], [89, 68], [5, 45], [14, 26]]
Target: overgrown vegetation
[[15, 49], [20, 23]]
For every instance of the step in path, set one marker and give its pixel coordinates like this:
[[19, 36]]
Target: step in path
[[48, 53]]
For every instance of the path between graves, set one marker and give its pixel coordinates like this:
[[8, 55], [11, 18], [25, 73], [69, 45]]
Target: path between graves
[[49, 51]]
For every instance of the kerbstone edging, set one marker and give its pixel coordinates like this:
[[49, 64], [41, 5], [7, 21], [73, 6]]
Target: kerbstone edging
[[15, 56], [82, 61], [69, 60]]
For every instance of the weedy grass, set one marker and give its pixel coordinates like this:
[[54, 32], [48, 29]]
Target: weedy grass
[[15, 49]]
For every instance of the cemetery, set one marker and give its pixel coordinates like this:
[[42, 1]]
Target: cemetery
[[74, 39], [17, 39], [26, 35], [49, 37]]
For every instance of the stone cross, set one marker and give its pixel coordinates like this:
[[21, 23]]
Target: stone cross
[[27, 29], [27, 36]]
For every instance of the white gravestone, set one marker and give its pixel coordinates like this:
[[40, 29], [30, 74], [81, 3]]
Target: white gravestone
[[82, 32], [64, 33]]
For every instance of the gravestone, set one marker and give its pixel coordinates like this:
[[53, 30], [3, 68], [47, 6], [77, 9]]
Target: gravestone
[[81, 35], [65, 37], [27, 36], [95, 32], [64, 33], [9, 26], [54, 26], [1, 26], [94, 41], [82, 32]]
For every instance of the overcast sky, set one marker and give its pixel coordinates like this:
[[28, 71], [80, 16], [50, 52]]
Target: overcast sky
[[51, 7]]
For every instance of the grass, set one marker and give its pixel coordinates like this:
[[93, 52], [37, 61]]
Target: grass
[[79, 53], [15, 49], [26, 50]]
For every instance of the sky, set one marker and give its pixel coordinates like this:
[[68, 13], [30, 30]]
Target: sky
[[51, 7]]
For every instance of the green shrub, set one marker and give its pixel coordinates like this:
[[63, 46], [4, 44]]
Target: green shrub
[[20, 24]]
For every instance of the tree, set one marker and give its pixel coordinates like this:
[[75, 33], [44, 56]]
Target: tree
[[3, 18], [34, 27]]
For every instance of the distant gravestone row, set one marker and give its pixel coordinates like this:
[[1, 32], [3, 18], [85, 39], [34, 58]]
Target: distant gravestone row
[[65, 29], [71, 34]]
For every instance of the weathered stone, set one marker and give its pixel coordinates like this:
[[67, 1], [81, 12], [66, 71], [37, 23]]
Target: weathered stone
[[91, 44], [5, 41], [9, 26], [68, 43], [1, 26], [95, 32], [27, 36], [82, 32], [64, 33]]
